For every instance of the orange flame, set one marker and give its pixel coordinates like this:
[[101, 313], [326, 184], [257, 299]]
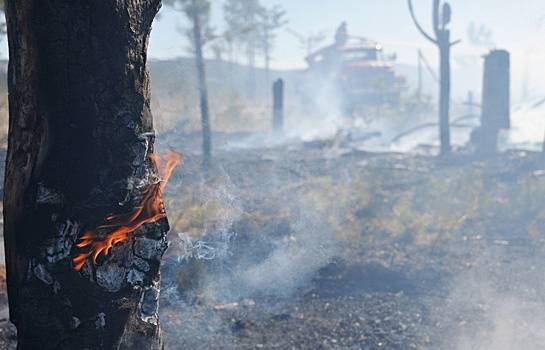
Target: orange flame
[[150, 210]]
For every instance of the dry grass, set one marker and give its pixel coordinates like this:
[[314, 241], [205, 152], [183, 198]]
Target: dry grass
[[422, 205]]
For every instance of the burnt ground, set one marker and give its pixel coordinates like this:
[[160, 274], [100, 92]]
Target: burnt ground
[[323, 246], [416, 252], [355, 306]]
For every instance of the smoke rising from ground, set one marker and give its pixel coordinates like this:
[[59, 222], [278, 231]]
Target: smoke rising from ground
[[289, 265], [497, 303], [232, 267]]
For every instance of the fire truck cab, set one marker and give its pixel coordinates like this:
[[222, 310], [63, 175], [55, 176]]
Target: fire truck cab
[[359, 70]]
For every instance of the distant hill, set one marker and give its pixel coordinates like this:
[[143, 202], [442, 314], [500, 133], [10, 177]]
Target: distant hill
[[180, 74], [239, 97]]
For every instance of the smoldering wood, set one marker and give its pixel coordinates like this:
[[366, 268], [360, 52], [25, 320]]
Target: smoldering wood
[[496, 105], [81, 133], [278, 107]]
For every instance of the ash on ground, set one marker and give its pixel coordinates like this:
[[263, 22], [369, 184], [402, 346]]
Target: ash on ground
[[325, 247], [322, 246]]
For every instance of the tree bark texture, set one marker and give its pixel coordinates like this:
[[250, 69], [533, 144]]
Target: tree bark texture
[[80, 141]]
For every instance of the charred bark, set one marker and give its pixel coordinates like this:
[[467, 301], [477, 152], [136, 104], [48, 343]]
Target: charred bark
[[496, 101], [80, 141]]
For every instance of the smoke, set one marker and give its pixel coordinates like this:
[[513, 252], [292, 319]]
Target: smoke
[[528, 126], [232, 267], [319, 115], [289, 264], [497, 303]]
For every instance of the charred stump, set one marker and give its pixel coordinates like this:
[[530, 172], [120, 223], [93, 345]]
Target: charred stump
[[80, 166], [278, 107], [496, 104]]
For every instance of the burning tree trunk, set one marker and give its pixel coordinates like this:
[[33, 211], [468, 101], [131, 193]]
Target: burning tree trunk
[[441, 20], [85, 227]]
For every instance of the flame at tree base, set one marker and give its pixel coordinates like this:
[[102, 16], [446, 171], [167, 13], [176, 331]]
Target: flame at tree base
[[150, 210]]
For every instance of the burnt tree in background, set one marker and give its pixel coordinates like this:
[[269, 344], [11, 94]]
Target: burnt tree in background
[[198, 12], [441, 20], [278, 107], [270, 20], [194, 12], [81, 149], [496, 99], [242, 18]]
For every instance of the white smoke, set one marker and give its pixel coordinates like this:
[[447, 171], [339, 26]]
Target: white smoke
[[497, 304], [290, 265]]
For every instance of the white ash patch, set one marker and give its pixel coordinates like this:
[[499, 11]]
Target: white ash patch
[[56, 287], [75, 323], [149, 304], [59, 248], [141, 264], [42, 274], [100, 321], [135, 277], [150, 249], [110, 277], [46, 195]]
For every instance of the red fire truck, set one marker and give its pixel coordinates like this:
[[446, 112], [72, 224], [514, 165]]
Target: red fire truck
[[359, 70]]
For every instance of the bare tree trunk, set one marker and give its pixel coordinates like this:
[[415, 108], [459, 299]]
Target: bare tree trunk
[[251, 53], [203, 90], [80, 149], [268, 73], [278, 107], [267, 57], [441, 18], [444, 93]]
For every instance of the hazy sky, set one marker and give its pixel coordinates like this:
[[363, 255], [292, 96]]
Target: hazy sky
[[517, 25]]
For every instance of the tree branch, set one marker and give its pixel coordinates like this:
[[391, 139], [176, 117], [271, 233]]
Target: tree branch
[[436, 26], [418, 26], [456, 42]]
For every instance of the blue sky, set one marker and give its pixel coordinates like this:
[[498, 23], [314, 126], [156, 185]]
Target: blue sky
[[517, 25]]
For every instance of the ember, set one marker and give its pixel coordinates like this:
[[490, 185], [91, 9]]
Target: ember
[[150, 210]]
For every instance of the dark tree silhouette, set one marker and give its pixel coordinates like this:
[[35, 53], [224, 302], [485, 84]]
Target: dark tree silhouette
[[278, 107], [85, 228], [201, 76], [270, 20], [441, 20], [198, 11], [243, 26]]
